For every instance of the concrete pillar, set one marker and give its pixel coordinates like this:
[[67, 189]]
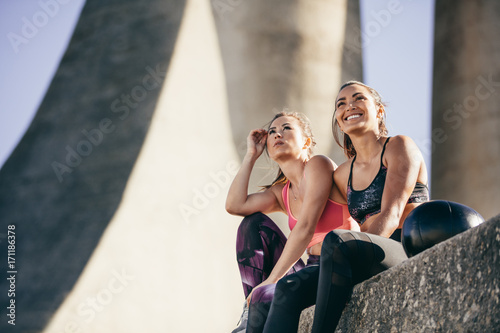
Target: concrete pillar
[[171, 236], [466, 99], [290, 54]]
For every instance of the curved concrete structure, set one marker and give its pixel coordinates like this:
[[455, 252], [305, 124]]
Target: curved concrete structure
[[65, 180], [288, 54], [171, 236], [466, 99]]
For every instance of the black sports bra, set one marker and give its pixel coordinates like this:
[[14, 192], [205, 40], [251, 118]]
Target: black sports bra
[[365, 203]]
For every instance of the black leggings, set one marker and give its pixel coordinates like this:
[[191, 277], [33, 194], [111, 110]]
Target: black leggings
[[347, 258]]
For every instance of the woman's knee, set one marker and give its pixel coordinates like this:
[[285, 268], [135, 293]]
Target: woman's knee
[[284, 293], [263, 294], [296, 287], [334, 240], [252, 222]]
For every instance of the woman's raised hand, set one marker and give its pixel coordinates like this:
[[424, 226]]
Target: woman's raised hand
[[238, 201], [256, 142]]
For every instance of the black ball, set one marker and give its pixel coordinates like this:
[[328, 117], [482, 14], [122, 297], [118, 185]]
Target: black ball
[[435, 221]]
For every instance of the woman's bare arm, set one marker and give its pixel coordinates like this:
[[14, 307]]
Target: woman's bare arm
[[318, 184], [403, 160], [238, 201]]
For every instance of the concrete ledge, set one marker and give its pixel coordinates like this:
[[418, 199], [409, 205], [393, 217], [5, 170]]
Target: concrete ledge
[[451, 287]]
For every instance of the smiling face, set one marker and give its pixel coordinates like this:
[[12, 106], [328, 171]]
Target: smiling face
[[356, 110], [286, 137]]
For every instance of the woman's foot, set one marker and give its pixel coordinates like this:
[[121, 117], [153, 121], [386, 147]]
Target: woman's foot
[[242, 323]]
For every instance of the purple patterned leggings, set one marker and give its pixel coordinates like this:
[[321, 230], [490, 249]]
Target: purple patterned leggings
[[259, 245]]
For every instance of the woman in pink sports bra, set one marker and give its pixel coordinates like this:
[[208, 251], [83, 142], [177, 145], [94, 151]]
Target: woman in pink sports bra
[[304, 190]]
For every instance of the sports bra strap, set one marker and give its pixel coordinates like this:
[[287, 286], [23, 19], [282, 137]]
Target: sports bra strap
[[383, 150], [284, 194], [354, 159], [350, 173]]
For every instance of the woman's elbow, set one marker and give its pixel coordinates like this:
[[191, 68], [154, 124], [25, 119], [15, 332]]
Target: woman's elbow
[[235, 208], [392, 219], [230, 205], [231, 208], [392, 224], [381, 224]]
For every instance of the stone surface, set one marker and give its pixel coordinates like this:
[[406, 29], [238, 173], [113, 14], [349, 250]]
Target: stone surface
[[466, 99], [451, 287]]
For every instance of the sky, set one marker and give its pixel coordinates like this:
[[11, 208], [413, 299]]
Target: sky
[[33, 37], [397, 42], [397, 62]]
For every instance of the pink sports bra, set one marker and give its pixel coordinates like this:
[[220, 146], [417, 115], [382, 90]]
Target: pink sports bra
[[335, 216]]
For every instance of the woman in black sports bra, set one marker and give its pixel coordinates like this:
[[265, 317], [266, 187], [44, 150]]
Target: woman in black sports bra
[[366, 203], [383, 180]]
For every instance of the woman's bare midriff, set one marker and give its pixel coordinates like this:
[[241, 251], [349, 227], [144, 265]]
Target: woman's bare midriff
[[314, 250]]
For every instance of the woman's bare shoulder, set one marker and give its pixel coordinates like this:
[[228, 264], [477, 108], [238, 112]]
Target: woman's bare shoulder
[[400, 142], [343, 169], [320, 161], [403, 146]]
